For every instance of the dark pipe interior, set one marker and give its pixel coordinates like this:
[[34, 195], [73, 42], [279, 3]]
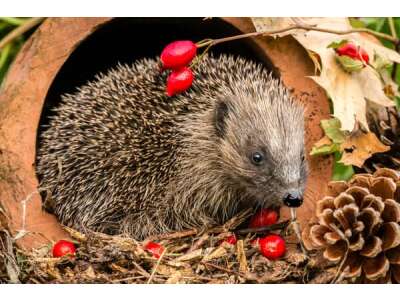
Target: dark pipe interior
[[125, 40]]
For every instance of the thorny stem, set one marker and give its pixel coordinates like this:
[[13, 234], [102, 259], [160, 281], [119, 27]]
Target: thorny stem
[[296, 228], [263, 229], [213, 42], [340, 272], [199, 58]]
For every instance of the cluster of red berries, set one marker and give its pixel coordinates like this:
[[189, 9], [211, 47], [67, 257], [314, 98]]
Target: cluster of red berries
[[271, 246], [351, 50], [352, 58], [176, 56]]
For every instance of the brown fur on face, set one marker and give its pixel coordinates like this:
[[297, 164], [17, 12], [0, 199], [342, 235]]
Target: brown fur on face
[[134, 160]]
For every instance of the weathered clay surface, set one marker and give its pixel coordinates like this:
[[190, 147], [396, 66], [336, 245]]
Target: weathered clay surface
[[24, 92], [21, 101]]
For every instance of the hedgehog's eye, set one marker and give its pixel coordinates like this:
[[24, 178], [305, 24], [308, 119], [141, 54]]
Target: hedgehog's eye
[[257, 158]]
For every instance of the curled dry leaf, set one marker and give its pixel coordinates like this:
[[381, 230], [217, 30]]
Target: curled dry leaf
[[359, 147], [348, 92]]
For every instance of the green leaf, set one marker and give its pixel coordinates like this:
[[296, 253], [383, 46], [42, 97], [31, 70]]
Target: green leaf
[[380, 24], [397, 101], [325, 149], [332, 130], [356, 23], [13, 21], [335, 45], [397, 25], [376, 24], [381, 63], [4, 54], [341, 171]]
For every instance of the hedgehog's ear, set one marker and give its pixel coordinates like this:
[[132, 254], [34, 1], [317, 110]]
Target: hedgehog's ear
[[220, 114]]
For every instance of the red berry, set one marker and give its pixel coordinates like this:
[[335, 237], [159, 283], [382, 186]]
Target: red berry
[[348, 49], [263, 218], [179, 81], [231, 239], [272, 246], [353, 51], [155, 249], [364, 55], [178, 54], [62, 248]]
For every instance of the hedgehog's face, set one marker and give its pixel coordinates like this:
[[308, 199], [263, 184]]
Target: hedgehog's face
[[262, 149]]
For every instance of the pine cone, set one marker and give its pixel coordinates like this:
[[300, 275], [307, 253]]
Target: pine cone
[[358, 225]]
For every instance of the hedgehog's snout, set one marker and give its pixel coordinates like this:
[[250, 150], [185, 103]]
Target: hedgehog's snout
[[293, 198]]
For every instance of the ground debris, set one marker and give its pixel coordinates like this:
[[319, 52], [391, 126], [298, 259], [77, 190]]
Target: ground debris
[[190, 257]]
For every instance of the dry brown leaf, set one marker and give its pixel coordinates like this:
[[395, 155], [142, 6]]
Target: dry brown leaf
[[89, 273], [166, 270], [348, 92], [359, 147], [175, 278], [217, 253], [196, 254]]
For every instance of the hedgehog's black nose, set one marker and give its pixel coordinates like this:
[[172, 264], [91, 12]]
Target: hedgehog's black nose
[[293, 199]]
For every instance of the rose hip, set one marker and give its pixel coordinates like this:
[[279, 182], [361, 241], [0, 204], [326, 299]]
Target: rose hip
[[179, 81], [178, 54], [272, 246], [63, 247], [353, 51], [155, 249], [264, 217]]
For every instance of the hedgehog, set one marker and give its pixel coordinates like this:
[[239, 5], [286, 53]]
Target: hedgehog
[[121, 157]]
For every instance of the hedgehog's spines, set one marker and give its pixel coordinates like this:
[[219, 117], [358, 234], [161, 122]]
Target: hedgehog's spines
[[136, 161]]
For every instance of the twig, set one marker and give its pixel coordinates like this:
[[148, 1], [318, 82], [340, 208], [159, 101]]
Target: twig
[[128, 278], [340, 272], [277, 226], [229, 271], [173, 235], [298, 25], [22, 232], [208, 264], [20, 30], [140, 269], [296, 228], [155, 268], [198, 243]]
